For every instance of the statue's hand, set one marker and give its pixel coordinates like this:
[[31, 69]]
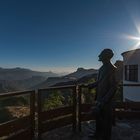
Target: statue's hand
[[95, 110], [99, 104]]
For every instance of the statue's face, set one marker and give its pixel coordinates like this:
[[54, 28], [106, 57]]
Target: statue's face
[[101, 56], [105, 55]]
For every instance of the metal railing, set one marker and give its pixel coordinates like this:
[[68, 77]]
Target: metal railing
[[70, 114], [57, 117], [23, 127]]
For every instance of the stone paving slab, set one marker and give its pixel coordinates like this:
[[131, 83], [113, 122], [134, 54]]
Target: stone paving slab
[[124, 130]]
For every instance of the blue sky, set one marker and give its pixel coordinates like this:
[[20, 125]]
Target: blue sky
[[62, 35]]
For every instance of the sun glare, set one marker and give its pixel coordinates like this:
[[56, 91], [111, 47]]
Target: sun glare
[[134, 38], [136, 45]]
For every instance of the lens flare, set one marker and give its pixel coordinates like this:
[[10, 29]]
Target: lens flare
[[136, 45], [134, 38]]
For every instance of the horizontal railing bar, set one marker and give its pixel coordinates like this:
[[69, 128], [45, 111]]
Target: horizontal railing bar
[[56, 123], [121, 85], [121, 105], [50, 114], [57, 87], [14, 126], [127, 105], [131, 85], [87, 117], [128, 114], [9, 94], [50, 88], [26, 134], [86, 107]]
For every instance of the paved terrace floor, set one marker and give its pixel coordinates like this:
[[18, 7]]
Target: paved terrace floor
[[124, 130]]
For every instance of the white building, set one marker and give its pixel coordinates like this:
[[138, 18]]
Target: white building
[[131, 75]]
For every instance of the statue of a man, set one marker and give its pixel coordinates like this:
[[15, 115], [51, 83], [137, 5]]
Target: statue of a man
[[106, 87]]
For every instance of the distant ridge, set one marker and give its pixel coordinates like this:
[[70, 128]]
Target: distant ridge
[[82, 80], [15, 79], [80, 72], [22, 73], [67, 79]]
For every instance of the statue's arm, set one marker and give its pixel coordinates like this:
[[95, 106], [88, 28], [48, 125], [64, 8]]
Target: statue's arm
[[90, 86]]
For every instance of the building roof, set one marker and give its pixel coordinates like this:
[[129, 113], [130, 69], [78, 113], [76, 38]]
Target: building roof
[[135, 50]]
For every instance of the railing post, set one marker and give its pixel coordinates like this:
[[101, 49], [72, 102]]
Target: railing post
[[39, 110], [79, 89], [74, 109], [114, 115], [32, 114]]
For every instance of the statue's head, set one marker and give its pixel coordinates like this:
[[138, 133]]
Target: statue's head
[[106, 55]]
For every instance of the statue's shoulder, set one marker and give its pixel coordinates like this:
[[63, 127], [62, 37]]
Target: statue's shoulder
[[112, 67]]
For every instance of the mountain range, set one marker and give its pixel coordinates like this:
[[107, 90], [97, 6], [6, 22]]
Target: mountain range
[[67, 79], [15, 79], [18, 79], [22, 74]]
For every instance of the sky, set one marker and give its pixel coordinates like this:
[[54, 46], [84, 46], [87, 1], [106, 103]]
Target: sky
[[62, 35]]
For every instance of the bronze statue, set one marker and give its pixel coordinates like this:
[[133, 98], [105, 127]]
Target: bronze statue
[[106, 87]]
